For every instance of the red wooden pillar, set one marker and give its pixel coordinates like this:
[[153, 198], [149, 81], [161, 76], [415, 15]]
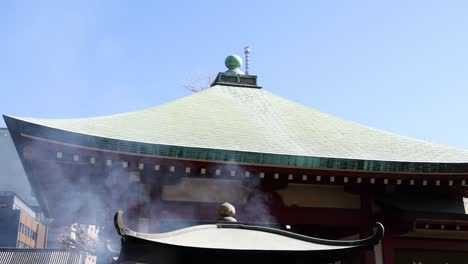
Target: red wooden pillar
[[366, 225], [388, 248]]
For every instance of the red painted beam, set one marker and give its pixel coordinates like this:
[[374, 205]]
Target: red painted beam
[[431, 244], [319, 216], [391, 244]]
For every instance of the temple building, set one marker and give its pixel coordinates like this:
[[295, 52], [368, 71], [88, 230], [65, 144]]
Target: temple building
[[280, 163]]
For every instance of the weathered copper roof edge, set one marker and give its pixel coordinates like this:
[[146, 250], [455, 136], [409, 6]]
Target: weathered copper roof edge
[[233, 156]]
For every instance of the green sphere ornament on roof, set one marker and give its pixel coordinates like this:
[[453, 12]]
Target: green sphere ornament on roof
[[233, 63]]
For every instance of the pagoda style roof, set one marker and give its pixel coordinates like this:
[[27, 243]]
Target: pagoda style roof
[[240, 122], [255, 120], [234, 243]]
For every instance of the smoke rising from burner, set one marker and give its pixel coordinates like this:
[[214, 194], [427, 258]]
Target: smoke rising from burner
[[86, 192]]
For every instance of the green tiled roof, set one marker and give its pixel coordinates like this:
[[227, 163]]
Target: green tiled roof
[[256, 121]]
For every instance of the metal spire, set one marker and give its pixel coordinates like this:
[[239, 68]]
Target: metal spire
[[247, 59]]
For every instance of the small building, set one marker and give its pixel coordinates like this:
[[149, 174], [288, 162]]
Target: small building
[[280, 163], [20, 225]]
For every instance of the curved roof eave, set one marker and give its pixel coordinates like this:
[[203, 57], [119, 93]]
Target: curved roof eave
[[254, 122], [237, 236]]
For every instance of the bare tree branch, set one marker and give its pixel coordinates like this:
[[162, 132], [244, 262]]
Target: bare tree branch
[[200, 84]]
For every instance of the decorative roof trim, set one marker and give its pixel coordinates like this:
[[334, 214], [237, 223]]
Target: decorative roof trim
[[241, 80]]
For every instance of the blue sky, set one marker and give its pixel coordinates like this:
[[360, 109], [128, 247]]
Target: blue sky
[[399, 66]]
